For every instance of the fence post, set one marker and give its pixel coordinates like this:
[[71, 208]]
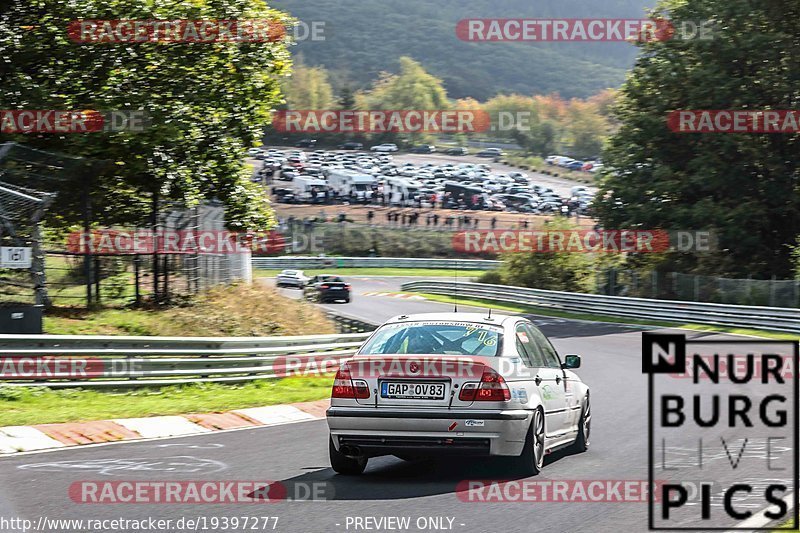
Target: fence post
[[166, 277], [97, 274], [136, 278], [654, 280]]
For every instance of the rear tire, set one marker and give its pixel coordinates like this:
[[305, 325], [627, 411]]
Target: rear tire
[[531, 460], [343, 464], [584, 429]]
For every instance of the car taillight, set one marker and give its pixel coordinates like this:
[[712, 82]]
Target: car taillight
[[345, 387], [347, 287], [323, 286], [492, 388]]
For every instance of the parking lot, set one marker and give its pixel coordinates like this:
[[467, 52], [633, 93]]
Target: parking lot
[[433, 181]]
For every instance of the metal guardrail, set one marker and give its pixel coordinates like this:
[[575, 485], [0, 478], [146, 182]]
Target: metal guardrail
[[769, 318], [349, 324], [371, 262], [112, 361]]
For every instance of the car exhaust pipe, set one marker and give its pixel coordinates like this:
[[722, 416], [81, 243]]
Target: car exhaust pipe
[[350, 451]]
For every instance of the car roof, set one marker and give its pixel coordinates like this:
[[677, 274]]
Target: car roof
[[496, 319]]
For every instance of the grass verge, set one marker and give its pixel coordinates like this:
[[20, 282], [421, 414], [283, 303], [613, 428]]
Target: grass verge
[[426, 272], [26, 406], [234, 311], [606, 318]]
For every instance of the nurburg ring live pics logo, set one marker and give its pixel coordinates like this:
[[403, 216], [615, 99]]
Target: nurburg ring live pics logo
[[731, 424]]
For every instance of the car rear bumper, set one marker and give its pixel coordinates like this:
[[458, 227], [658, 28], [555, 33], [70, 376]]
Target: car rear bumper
[[334, 296], [429, 432]]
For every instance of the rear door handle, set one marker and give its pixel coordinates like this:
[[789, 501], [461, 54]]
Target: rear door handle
[[558, 380], [537, 380]]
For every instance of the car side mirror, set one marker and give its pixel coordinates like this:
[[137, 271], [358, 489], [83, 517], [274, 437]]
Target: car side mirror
[[572, 361]]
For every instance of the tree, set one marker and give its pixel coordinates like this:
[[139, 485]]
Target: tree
[[412, 89], [308, 88], [587, 129], [206, 102], [347, 98], [558, 271], [743, 186]]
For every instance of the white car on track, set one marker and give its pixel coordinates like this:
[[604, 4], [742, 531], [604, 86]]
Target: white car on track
[[291, 278], [385, 147], [457, 384]]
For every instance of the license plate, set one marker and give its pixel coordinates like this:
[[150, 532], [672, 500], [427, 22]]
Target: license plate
[[414, 391]]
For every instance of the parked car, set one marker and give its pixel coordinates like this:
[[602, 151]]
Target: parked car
[[574, 165], [253, 152], [457, 151], [291, 278], [385, 147], [491, 152], [351, 145], [557, 159], [423, 149], [327, 288], [306, 143], [457, 383]]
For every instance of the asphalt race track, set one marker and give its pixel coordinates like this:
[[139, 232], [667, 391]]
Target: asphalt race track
[[37, 485]]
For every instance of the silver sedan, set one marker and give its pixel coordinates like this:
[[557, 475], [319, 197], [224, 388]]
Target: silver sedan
[[457, 384]]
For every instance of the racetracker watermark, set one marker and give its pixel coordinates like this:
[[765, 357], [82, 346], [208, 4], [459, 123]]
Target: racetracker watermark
[[581, 30], [734, 121], [48, 367], [130, 31], [381, 121], [57, 121], [582, 241], [558, 491], [127, 242], [203, 492]]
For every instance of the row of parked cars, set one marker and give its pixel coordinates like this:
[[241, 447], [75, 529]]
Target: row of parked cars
[[574, 164], [327, 176]]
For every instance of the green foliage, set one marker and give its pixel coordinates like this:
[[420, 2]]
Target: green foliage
[[743, 186], [308, 88], [558, 271], [492, 277], [411, 88], [207, 104], [554, 271]]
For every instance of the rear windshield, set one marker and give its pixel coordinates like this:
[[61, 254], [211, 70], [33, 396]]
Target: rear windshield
[[446, 338]]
